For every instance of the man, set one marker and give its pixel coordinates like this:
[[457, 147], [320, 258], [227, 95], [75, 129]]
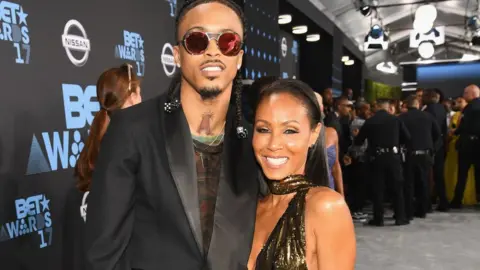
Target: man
[[339, 119], [385, 133], [175, 185], [348, 93], [327, 95], [468, 144], [424, 132], [358, 180], [431, 99]]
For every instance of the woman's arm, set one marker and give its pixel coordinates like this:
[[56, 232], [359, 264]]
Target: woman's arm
[[337, 169], [335, 242]]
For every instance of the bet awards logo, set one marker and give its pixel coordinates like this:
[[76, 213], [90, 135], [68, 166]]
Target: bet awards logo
[[13, 28], [284, 47], [76, 45], [65, 145], [132, 49], [168, 61], [33, 215], [173, 7]]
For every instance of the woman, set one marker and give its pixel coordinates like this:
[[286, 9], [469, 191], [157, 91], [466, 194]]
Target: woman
[[331, 140], [117, 88], [451, 162], [302, 223]]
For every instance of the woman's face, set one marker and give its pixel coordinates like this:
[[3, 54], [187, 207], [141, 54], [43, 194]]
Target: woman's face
[[282, 136]]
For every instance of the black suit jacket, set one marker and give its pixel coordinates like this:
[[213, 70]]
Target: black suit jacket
[[423, 129], [143, 210], [342, 126], [440, 114]]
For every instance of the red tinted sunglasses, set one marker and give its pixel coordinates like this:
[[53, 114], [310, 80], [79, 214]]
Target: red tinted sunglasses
[[196, 42]]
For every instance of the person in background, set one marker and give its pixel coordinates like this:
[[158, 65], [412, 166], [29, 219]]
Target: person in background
[[328, 102], [451, 162], [348, 92], [424, 132], [385, 133], [431, 101], [331, 141], [340, 121], [468, 144], [448, 103], [117, 88], [357, 162]]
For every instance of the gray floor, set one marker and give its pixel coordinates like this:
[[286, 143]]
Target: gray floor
[[442, 241]]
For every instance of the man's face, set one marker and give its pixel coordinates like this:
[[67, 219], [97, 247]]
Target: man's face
[[212, 72], [344, 108], [328, 96], [460, 104], [419, 94], [349, 93], [467, 94]]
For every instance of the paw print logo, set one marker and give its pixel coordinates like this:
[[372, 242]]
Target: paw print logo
[[24, 228], [77, 147]]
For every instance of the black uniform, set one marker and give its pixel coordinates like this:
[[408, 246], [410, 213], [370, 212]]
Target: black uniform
[[440, 114], [385, 133], [424, 132], [468, 146]]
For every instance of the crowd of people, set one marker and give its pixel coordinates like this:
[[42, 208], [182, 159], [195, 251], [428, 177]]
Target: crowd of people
[[419, 151]]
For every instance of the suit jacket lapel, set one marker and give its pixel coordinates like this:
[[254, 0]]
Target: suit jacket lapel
[[181, 159], [236, 203]]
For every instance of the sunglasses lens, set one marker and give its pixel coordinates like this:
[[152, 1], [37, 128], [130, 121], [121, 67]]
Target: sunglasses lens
[[196, 42], [229, 44]]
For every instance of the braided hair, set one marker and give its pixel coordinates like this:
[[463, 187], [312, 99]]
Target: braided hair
[[173, 90]]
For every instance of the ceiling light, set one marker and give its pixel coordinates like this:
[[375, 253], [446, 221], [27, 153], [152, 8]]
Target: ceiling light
[[345, 58], [301, 29], [349, 62], [426, 13], [426, 50], [313, 37], [284, 19], [387, 67]]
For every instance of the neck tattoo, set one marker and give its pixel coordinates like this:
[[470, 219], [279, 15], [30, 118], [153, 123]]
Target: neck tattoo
[[204, 127]]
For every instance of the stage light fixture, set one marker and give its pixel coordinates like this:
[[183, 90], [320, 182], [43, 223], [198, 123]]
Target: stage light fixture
[[345, 58], [426, 13], [376, 39], [349, 62], [313, 37], [366, 10], [284, 19], [476, 39], [426, 50], [387, 67], [301, 29]]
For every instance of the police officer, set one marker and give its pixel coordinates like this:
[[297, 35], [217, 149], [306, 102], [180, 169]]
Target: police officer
[[431, 99], [468, 144], [424, 132], [385, 133]]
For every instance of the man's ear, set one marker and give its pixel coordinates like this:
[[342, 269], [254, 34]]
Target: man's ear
[[176, 55]]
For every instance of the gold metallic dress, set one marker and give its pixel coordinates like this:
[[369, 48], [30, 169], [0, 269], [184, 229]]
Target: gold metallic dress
[[285, 248]]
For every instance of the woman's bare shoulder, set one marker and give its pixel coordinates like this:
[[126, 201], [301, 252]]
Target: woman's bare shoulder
[[324, 200]]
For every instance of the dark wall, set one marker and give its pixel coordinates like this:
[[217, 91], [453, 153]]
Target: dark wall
[[316, 63], [353, 75], [262, 43]]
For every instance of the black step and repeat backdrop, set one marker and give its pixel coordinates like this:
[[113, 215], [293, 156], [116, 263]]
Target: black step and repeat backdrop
[[289, 56], [52, 54]]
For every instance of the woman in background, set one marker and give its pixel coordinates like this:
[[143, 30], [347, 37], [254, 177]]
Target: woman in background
[[335, 174], [117, 88], [451, 161], [302, 223]]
